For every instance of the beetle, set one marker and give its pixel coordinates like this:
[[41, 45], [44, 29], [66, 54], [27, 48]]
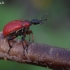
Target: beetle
[[17, 28]]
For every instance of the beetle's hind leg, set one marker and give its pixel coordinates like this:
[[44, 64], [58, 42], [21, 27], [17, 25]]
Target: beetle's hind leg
[[9, 39]]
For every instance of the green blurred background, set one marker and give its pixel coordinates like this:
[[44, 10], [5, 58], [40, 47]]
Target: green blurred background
[[55, 31]]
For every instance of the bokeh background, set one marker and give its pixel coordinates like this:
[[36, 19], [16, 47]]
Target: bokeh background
[[55, 31]]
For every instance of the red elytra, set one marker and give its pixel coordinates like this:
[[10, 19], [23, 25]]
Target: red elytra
[[12, 26]]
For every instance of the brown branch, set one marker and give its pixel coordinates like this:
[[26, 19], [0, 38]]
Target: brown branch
[[37, 54]]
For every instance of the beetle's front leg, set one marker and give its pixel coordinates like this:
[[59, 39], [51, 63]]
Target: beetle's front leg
[[32, 35], [30, 32]]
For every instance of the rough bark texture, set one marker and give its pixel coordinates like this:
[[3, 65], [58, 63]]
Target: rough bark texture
[[37, 54]]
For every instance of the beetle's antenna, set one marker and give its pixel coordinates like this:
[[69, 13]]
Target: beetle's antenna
[[43, 17]]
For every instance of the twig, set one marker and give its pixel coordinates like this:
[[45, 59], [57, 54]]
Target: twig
[[36, 54]]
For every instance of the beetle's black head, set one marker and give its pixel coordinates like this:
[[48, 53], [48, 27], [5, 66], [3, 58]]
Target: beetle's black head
[[37, 21]]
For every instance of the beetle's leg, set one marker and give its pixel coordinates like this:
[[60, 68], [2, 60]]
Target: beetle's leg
[[29, 37], [9, 39], [30, 32], [9, 43], [24, 41], [32, 37]]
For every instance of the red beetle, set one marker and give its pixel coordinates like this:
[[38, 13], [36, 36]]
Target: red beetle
[[20, 28]]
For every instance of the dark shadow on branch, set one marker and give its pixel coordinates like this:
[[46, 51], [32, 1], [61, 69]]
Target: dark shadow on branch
[[36, 54]]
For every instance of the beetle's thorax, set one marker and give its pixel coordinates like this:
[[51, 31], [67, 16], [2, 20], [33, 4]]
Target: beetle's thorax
[[26, 24]]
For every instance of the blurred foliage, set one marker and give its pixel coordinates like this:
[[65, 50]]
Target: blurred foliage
[[41, 4], [55, 31]]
